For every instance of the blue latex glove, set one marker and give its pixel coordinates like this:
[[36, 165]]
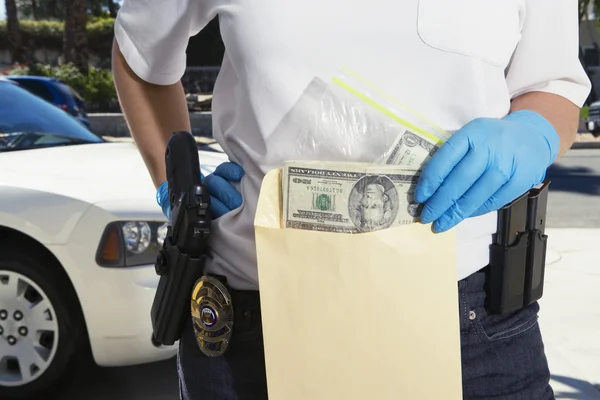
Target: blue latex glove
[[484, 166], [223, 196]]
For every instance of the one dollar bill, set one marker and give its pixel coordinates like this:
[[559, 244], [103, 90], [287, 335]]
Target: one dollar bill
[[347, 197], [411, 151]]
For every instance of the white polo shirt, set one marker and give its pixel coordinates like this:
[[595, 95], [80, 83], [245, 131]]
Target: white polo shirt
[[453, 61]]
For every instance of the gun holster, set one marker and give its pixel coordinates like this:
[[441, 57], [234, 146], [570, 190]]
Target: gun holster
[[171, 306], [518, 253], [180, 262]]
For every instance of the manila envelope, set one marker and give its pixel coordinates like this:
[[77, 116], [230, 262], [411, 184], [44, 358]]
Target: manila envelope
[[365, 316]]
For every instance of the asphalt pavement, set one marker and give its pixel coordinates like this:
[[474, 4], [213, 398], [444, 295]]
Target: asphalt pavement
[[574, 202], [155, 381], [575, 190]]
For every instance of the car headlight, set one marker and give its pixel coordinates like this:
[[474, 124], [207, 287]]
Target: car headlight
[[161, 234], [131, 243], [137, 236]]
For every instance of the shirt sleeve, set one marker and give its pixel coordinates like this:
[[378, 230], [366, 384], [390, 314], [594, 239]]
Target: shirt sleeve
[[153, 36], [547, 57]]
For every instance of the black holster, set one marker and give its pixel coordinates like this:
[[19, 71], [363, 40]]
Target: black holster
[[518, 253], [181, 260]]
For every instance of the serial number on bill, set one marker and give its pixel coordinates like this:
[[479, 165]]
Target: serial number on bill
[[324, 189]]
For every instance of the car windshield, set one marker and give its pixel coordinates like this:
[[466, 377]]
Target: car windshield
[[74, 93], [33, 140], [27, 121]]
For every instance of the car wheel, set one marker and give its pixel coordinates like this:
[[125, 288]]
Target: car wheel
[[40, 328]]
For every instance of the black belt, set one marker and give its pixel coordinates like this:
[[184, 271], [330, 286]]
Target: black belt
[[247, 319]]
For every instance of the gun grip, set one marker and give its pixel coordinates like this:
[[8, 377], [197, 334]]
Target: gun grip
[[182, 164]]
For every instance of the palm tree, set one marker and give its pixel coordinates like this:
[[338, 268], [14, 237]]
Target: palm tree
[[75, 43], [14, 31], [34, 9], [112, 8]]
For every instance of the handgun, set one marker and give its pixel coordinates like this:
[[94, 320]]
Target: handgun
[[181, 260]]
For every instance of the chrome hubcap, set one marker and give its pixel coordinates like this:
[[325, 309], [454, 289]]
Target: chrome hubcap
[[28, 330]]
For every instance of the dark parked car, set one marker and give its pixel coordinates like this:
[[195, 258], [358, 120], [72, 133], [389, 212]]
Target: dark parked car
[[56, 92], [593, 121]]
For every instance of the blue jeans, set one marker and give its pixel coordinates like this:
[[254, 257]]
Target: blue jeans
[[502, 355]]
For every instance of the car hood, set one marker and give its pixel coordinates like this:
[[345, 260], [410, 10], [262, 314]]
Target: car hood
[[94, 173]]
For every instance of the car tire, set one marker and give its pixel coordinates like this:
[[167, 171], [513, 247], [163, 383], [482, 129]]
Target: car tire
[[40, 282]]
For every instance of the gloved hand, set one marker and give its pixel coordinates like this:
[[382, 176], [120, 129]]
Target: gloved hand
[[484, 166], [223, 196]]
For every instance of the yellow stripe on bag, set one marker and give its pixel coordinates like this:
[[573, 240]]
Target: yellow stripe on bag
[[385, 111], [371, 86]]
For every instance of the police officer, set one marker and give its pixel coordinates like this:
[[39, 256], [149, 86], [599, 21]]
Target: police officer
[[504, 75]]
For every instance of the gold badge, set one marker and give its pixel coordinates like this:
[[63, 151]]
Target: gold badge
[[212, 315]]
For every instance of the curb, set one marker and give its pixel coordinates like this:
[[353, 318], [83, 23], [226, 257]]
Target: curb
[[586, 145], [204, 143], [201, 140], [113, 125]]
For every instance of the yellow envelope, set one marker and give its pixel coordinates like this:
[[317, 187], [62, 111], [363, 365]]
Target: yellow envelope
[[365, 316]]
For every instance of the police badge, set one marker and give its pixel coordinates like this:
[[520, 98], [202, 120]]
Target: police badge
[[212, 315]]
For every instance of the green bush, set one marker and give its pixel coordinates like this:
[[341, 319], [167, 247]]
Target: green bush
[[49, 34], [206, 48], [585, 112], [96, 87]]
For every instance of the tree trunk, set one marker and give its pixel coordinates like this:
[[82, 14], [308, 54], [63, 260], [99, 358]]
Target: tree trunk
[[34, 9], [112, 9], [75, 44], [583, 19], [13, 31], [583, 7], [53, 9]]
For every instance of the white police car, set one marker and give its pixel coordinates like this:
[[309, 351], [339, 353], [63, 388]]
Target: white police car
[[79, 234]]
